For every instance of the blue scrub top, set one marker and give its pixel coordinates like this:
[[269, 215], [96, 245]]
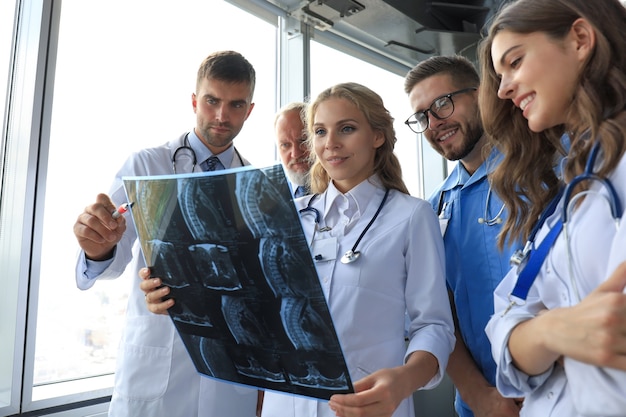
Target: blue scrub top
[[474, 265]]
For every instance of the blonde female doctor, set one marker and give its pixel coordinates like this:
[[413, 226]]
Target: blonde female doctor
[[380, 256]]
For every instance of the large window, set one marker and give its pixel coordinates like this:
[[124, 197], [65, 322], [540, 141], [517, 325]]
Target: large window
[[118, 89], [114, 77], [7, 14], [12, 186]]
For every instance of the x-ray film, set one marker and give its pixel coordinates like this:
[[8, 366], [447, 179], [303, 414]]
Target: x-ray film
[[249, 305]]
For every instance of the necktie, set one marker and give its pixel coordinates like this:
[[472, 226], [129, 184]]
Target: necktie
[[211, 164], [300, 191]]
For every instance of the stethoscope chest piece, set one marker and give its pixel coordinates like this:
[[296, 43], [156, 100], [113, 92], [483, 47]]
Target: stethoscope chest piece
[[350, 257], [353, 254]]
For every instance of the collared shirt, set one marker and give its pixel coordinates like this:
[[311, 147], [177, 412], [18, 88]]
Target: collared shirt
[[294, 188], [300, 191], [596, 248], [154, 373], [474, 265], [203, 153], [95, 268], [400, 269]]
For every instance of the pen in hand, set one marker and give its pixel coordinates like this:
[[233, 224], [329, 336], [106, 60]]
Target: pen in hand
[[121, 210]]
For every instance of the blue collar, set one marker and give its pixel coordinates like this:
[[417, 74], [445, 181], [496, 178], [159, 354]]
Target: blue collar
[[203, 153]]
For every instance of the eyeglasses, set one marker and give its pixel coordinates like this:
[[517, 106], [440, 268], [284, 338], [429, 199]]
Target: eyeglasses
[[442, 108]]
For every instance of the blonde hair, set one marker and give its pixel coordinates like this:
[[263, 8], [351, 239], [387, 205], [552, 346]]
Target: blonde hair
[[386, 164]]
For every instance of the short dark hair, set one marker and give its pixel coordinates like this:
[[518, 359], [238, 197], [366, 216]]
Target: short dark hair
[[229, 66], [460, 69]]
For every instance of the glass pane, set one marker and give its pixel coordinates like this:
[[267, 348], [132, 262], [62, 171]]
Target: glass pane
[[7, 13], [9, 269], [329, 67], [124, 77]]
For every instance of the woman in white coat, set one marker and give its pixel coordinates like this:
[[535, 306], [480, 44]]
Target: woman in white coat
[[558, 334], [400, 266]]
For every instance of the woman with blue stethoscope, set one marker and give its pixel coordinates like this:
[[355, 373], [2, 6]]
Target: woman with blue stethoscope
[[378, 253], [559, 330]]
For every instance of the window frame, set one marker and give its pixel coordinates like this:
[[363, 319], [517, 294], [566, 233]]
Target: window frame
[[23, 166], [20, 148]]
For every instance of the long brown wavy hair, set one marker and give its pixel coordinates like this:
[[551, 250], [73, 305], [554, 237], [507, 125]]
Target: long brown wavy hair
[[525, 179], [386, 164]]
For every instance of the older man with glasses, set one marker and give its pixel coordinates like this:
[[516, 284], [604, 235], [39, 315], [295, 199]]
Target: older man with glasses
[[443, 93]]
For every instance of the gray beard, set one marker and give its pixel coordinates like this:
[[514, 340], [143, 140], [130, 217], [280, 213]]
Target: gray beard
[[297, 178]]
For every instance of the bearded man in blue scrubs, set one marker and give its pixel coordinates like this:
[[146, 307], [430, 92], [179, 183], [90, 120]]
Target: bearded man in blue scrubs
[[443, 93]]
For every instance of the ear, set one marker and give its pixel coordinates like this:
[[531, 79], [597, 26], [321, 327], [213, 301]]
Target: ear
[[584, 37], [249, 111], [379, 139], [194, 101]]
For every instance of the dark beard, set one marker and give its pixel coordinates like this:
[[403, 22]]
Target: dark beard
[[472, 136]]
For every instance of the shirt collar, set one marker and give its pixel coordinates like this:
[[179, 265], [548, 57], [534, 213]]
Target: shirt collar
[[203, 153], [360, 195], [460, 176]]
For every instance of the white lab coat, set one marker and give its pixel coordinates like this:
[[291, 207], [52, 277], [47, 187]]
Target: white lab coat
[[401, 268], [154, 375], [597, 248]]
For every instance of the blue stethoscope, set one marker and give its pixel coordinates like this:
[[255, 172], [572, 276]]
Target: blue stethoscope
[[353, 254], [187, 148], [530, 259]]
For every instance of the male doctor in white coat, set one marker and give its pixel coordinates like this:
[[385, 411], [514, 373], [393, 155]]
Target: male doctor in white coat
[[154, 373]]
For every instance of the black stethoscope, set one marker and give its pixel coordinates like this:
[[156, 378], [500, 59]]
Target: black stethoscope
[[353, 254], [530, 259], [186, 147]]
